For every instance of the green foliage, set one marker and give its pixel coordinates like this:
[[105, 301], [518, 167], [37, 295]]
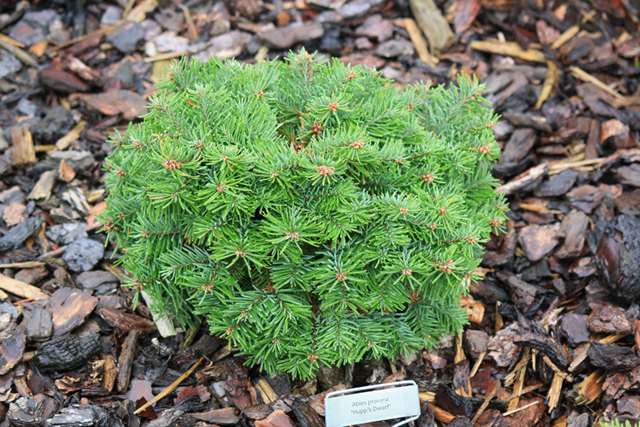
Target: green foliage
[[311, 211], [617, 423]]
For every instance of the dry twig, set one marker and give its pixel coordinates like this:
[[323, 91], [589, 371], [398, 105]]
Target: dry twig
[[565, 37], [167, 391], [579, 73], [520, 409], [420, 43], [508, 49], [484, 405]]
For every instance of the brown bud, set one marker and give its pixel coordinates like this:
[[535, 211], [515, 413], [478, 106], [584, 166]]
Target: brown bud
[[171, 164], [325, 170]]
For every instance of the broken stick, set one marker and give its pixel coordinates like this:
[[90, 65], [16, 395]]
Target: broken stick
[[20, 289], [167, 391]]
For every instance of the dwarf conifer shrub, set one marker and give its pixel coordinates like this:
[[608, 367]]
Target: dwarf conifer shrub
[[312, 212]]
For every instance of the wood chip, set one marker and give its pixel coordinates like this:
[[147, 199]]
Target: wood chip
[[99, 32], [126, 321], [636, 333], [305, 415], [23, 153], [14, 213], [38, 49], [225, 416], [164, 56], [591, 387], [66, 352], [82, 70], [129, 104], [586, 77], [9, 40], [53, 76], [317, 401], [582, 356], [539, 209], [560, 165], [441, 415], [262, 53], [125, 361], [71, 137], [92, 221], [474, 308], [612, 128], [465, 14], [11, 351], [192, 33], [51, 254], [266, 391], [44, 148], [276, 418], [28, 264], [508, 49], [626, 101], [565, 37], [433, 25], [160, 70], [555, 369], [509, 379], [20, 289], [128, 7], [237, 386], [139, 13], [561, 422], [95, 195], [110, 373], [69, 308], [517, 388], [551, 80], [531, 176], [39, 325], [419, 43], [66, 172], [465, 388], [427, 396], [44, 186], [22, 56], [553, 397]]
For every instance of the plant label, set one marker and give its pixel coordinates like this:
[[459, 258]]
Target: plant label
[[372, 403]]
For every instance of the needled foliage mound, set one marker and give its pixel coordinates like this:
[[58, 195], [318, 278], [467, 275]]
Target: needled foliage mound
[[312, 212]]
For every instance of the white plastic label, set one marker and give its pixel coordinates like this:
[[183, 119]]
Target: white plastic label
[[358, 406]]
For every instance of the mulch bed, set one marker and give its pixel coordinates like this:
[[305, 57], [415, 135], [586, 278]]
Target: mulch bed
[[554, 332]]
